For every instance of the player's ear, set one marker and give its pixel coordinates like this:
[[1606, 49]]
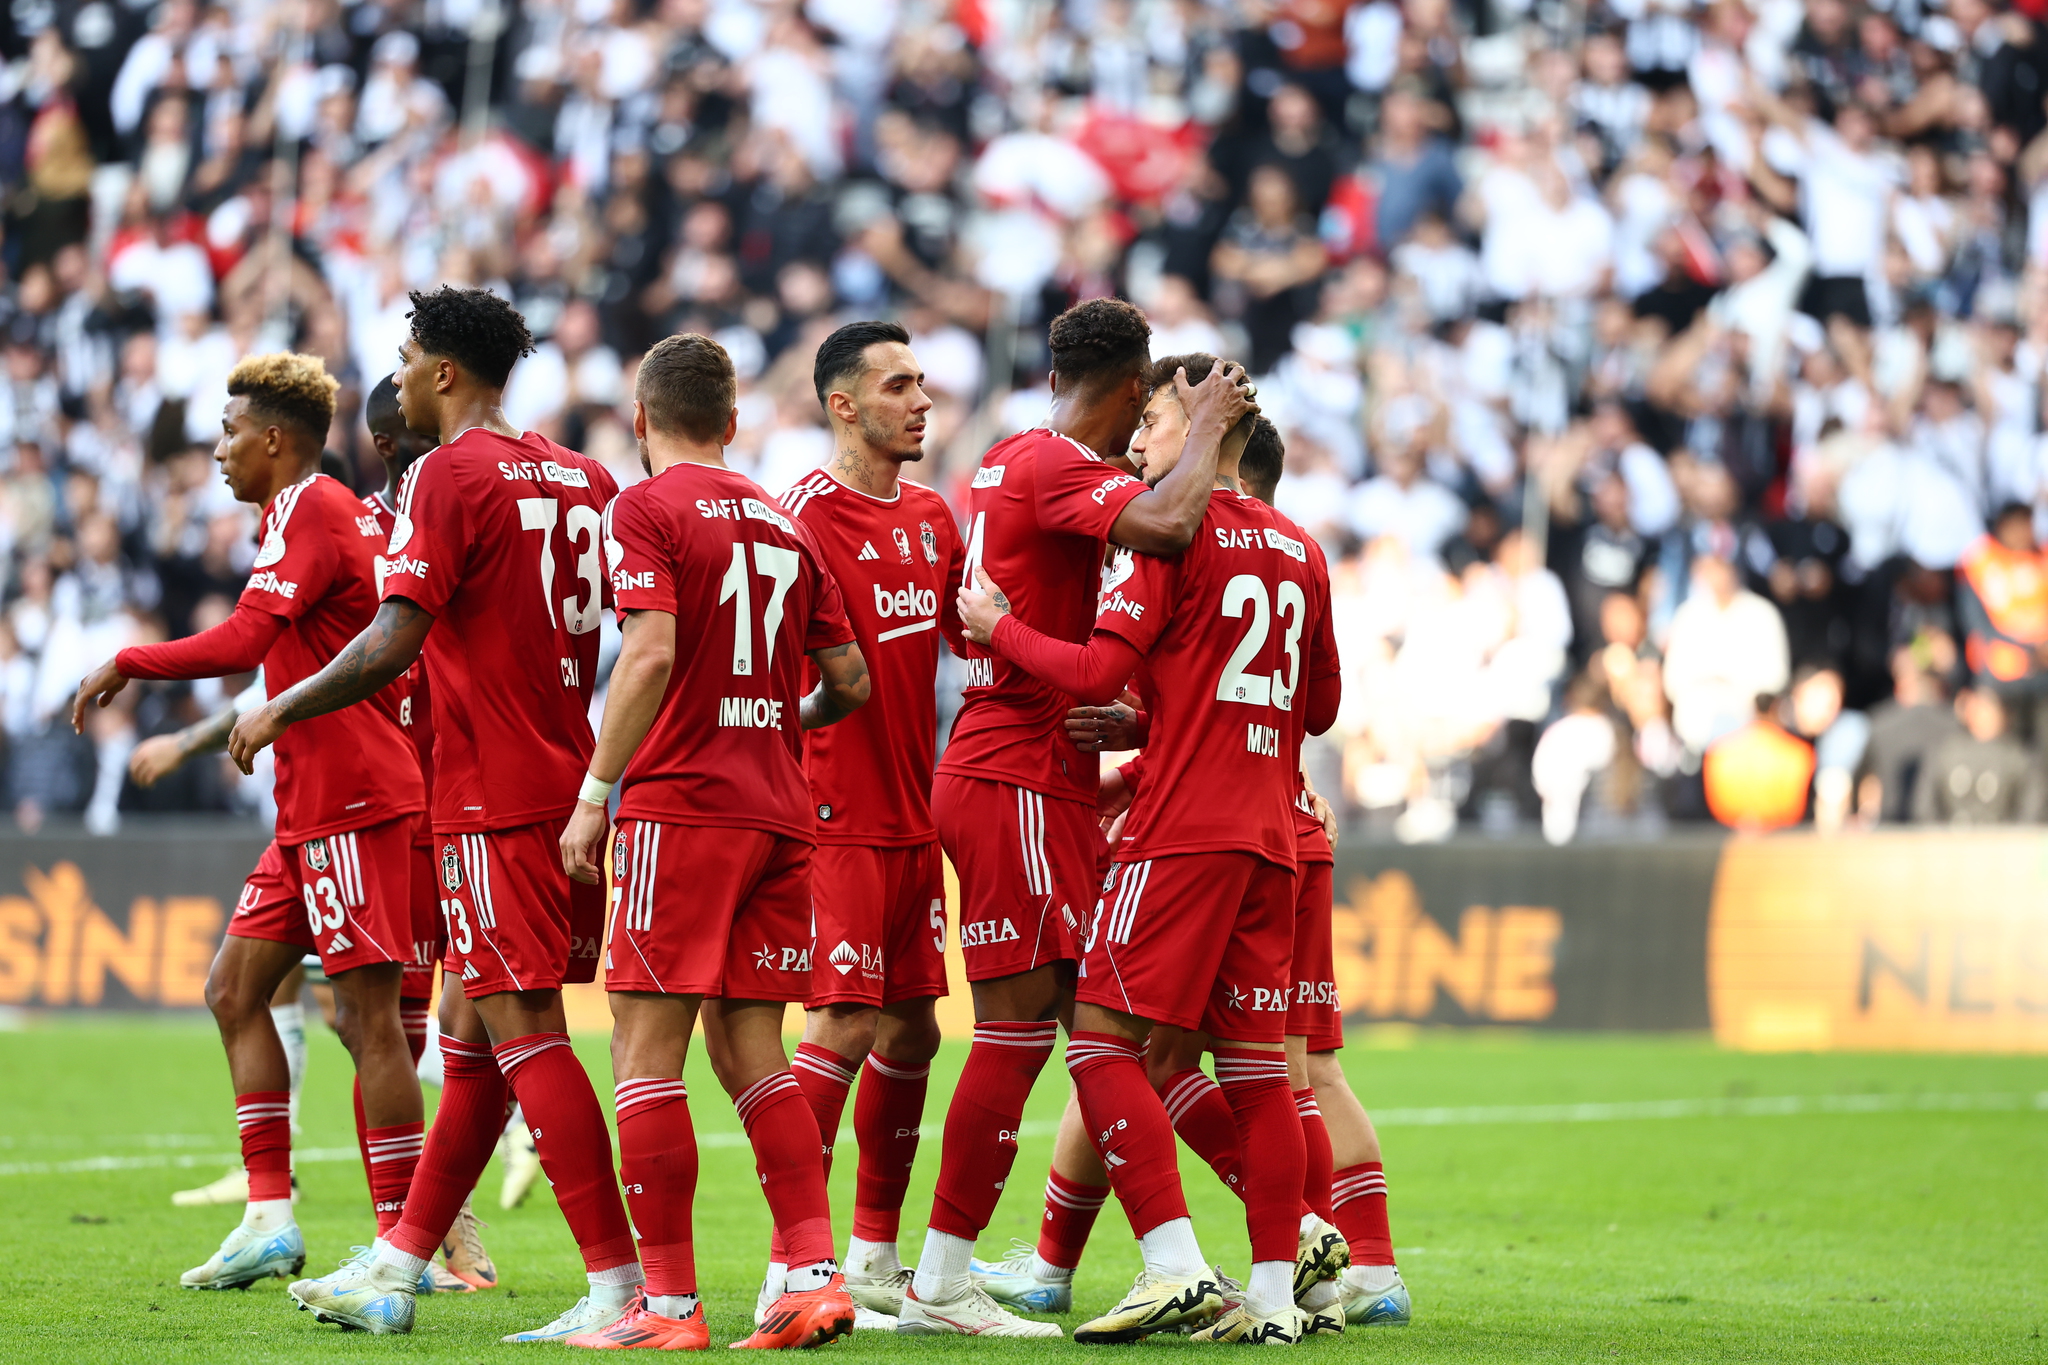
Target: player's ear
[[444, 375], [639, 420], [732, 428]]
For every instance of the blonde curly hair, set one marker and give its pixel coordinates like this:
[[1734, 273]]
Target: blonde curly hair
[[289, 387]]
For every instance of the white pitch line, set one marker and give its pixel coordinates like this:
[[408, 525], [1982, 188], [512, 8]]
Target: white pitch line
[[1761, 1106]]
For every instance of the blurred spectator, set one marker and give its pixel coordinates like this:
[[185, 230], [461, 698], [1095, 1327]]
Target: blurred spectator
[[1758, 776], [1839, 739], [1983, 776], [1726, 649], [1903, 732], [2002, 603]]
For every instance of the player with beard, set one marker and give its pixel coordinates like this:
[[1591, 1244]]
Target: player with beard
[[878, 889], [494, 571], [1013, 799], [1195, 927], [335, 879]]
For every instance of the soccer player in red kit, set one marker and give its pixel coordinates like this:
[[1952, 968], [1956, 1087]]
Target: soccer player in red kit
[[723, 597], [495, 570], [1230, 640], [878, 885], [1013, 799], [348, 792]]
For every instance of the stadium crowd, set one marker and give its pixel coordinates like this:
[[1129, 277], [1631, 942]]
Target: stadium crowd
[[1663, 380]]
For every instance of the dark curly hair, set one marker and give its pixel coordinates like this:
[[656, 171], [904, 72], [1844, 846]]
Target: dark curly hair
[[1102, 339], [1258, 469], [472, 327]]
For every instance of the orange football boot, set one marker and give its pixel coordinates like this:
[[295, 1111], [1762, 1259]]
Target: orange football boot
[[641, 1330], [801, 1320]]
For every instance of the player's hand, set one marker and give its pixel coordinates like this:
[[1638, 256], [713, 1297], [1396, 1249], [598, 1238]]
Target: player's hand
[[154, 759], [256, 731], [99, 687], [1222, 398], [981, 608], [1113, 797], [1326, 813], [581, 839], [1103, 729]]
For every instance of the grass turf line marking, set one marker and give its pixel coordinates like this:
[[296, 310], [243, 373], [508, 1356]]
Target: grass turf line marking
[[1761, 1106]]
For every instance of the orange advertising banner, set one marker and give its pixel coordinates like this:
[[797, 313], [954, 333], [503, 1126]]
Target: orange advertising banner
[[1912, 941]]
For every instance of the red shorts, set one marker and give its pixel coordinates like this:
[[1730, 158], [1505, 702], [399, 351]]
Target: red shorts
[[346, 896], [514, 920], [1026, 864], [1201, 940], [429, 934], [878, 916], [1313, 1011], [708, 910]]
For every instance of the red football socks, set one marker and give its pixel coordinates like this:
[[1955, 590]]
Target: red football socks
[[393, 1154], [1358, 1196], [658, 1167], [824, 1076], [980, 1144], [1202, 1117], [1255, 1083], [1129, 1127], [886, 1115], [1315, 1136], [412, 1017], [788, 1155], [1070, 1209], [458, 1146], [574, 1146], [264, 1118]]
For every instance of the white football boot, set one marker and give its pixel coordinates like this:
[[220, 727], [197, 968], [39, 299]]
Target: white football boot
[[246, 1256], [1015, 1281], [973, 1314]]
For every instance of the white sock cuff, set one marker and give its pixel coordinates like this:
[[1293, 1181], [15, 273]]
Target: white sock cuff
[[627, 1274]]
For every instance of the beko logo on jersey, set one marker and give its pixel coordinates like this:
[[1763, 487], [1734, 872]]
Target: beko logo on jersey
[[750, 713], [732, 509], [546, 471], [406, 564], [1109, 486], [989, 476], [267, 581], [909, 600], [1118, 602]]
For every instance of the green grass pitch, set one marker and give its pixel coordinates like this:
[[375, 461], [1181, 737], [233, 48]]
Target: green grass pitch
[[1904, 1227]]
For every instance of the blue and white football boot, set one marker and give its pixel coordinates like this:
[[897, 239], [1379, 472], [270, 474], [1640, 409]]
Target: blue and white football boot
[[1015, 1281]]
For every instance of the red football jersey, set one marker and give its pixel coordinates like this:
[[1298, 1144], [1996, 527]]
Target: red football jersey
[[317, 567], [1314, 844], [727, 747], [1038, 520], [1232, 630], [500, 540], [896, 563], [415, 716]]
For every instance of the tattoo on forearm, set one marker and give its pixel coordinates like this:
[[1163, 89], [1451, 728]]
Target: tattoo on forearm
[[209, 735], [362, 668]]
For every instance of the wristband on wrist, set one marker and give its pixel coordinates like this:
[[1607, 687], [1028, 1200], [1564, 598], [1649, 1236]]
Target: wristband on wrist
[[596, 790]]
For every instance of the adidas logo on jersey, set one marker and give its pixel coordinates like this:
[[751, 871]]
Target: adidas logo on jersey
[[340, 944], [867, 550]]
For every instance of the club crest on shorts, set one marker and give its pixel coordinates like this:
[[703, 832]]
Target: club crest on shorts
[[451, 868], [315, 854], [930, 540], [903, 544], [619, 857]]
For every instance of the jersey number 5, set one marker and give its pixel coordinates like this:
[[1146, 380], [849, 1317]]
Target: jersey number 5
[[776, 564], [1261, 689], [541, 514]]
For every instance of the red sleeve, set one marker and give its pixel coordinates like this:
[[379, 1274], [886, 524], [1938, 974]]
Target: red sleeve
[[1093, 674], [1133, 772], [296, 561], [1078, 493], [430, 539], [236, 645], [828, 627], [1323, 634], [1324, 693], [639, 555], [950, 626]]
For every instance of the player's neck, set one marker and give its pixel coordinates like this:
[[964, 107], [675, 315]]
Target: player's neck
[[1094, 425], [864, 471], [289, 473], [485, 410], [664, 452]]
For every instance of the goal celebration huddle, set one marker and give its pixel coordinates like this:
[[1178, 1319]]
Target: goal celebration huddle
[[758, 821]]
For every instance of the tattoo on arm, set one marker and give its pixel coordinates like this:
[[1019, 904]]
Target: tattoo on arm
[[385, 649], [208, 736], [822, 707], [1002, 600]]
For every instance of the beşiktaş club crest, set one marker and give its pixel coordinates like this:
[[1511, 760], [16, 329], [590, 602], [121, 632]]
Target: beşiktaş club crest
[[619, 857], [903, 544], [930, 538], [451, 868], [315, 853]]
